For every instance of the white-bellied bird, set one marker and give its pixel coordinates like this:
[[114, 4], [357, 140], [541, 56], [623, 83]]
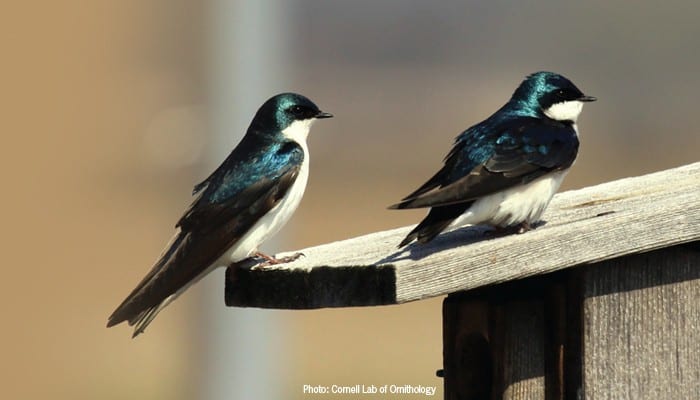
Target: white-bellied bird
[[504, 170], [241, 204]]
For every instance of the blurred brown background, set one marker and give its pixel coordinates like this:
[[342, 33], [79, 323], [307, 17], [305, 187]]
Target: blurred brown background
[[112, 111]]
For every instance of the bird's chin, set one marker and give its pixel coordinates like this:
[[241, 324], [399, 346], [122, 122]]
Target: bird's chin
[[565, 111], [298, 130]]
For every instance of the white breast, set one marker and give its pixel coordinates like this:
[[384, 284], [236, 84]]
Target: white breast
[[515, 205], [276, 218], [269, 224]]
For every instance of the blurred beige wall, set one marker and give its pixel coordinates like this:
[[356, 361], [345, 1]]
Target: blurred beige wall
[[82, 83]]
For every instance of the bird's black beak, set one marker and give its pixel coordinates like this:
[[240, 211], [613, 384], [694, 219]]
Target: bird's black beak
[[322, 115], [587, 98]]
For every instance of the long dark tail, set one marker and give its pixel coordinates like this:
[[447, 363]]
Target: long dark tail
[[142, 320], [151, 294], [435, 222]]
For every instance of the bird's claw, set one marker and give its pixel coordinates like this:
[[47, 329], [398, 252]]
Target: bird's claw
[[503, 231], [269, 260], [523, 227]]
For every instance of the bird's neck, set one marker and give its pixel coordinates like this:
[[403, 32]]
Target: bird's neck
[[522, 108], [298, 130], [519, 108]]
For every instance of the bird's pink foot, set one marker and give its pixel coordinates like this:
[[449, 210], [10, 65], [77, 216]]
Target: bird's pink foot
[[269, 260]]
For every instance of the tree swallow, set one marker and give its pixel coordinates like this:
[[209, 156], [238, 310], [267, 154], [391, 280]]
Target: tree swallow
[[241, 204], [504, 171]]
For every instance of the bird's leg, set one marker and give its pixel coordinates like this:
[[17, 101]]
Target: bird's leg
[[524, 227], [507, 230], [269, 260], [291, 258], [265, 257]]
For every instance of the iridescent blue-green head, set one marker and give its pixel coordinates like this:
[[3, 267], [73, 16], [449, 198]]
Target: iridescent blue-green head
[[552, 95], [287, 114]]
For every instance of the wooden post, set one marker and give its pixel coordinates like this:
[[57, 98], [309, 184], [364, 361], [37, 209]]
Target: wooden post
[[468, 359], [627, 328], [641, 331], [494, 342], [521, 365]]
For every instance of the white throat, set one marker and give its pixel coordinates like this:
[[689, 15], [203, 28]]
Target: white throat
[[278, 216], [565, 111], [298, 130]]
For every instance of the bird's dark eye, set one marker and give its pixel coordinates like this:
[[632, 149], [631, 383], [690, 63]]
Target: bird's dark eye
[[296, 111], [560, 93]]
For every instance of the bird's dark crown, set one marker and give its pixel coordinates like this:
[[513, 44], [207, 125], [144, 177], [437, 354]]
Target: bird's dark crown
[[542, 89], [280, 111]]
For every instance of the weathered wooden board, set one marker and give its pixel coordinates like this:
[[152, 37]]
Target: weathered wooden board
[[597, 223], [523, 370], [494, 342], [641, 332], [467, 353]]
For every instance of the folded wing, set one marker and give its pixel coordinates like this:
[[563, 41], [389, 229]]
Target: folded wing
[[480, 165]]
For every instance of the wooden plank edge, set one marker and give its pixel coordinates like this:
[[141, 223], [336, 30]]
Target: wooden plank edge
[[291, 286]]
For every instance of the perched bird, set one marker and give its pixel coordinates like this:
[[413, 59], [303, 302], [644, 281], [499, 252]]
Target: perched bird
[[504, 171], [241, 204]]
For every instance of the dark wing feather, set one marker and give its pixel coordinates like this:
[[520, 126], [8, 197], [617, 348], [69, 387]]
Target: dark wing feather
[[435, 222], [215, 221], [521, 152], [453, 161]]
